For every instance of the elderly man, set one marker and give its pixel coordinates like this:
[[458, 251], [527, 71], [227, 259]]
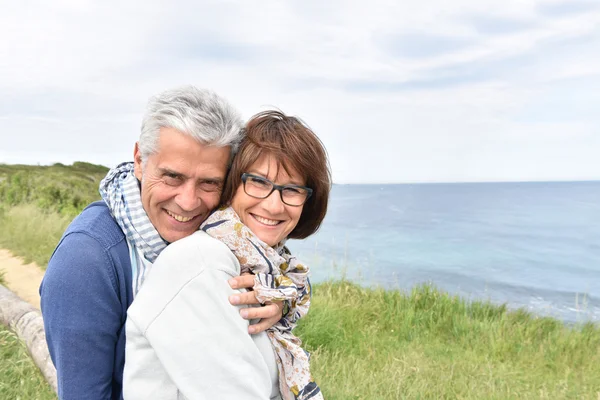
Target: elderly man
[[188, 139]]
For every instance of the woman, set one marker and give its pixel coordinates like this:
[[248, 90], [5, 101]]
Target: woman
[[183, 337]]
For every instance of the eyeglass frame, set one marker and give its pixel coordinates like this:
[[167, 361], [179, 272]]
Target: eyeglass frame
[[275, 187]]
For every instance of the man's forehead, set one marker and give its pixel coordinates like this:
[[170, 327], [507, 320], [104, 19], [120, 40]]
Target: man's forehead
[[197, 170]]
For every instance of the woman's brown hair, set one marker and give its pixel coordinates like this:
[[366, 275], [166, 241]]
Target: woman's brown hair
[[295, 146]]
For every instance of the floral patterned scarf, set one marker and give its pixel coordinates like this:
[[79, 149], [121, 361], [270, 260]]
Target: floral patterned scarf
[[278, 276]]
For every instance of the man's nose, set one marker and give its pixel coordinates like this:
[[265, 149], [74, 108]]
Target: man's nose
[[188, 199]]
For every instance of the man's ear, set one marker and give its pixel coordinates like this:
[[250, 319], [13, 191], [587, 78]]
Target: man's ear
[[137, 162]]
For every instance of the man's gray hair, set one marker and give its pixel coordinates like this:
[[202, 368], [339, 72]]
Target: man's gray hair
[[198, 113]]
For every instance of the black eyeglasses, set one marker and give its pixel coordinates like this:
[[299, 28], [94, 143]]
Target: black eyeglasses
[[261, 188]]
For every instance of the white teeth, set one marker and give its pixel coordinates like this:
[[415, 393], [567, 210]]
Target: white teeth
[[179, 217], [266, 221]]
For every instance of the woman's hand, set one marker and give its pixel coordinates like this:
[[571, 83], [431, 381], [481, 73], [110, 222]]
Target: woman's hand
[[269, 314]]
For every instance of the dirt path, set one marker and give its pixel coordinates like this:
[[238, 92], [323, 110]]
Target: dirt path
[[23, 279]]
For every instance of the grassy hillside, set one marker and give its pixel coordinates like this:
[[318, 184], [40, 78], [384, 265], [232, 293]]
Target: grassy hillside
[[56, 188], [38, 202], [366, 343], [425, 344]]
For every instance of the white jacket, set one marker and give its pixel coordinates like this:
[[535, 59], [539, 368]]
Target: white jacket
[[185, 340]]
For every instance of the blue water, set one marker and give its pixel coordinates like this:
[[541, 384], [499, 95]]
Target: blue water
[[530, 245]]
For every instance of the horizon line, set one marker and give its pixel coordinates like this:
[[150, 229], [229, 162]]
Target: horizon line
[[470, 182], [432, 182]]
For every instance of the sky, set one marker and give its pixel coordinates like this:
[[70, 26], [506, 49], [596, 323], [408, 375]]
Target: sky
[[398, 91]]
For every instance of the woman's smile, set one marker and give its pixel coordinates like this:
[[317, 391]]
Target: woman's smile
[[266, 221]]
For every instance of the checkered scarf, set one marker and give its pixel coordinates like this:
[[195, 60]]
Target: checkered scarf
[[121, 191]]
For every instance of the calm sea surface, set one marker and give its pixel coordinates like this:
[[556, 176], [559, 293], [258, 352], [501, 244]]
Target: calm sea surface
[[531, 245]]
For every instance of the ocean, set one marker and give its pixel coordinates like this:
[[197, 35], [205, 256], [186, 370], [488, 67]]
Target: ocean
[[529, 245]]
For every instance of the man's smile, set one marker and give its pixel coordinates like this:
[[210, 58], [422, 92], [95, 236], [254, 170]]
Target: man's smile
[[180, 218]]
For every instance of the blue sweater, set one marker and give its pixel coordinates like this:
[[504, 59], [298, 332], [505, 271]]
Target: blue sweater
[[85, 294]]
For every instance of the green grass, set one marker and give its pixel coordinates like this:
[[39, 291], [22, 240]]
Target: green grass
[[19, 377], [38, 202], [31, 233], [56, 188], [376, 344]]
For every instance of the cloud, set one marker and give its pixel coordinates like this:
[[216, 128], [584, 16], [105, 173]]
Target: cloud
[[424, 45], [398, 91], [566, 8], [494, 25]]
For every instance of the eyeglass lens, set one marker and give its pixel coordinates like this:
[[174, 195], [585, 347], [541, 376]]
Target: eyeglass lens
[[261, 188]]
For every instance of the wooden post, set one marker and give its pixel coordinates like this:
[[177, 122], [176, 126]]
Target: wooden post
[[26, 321]]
